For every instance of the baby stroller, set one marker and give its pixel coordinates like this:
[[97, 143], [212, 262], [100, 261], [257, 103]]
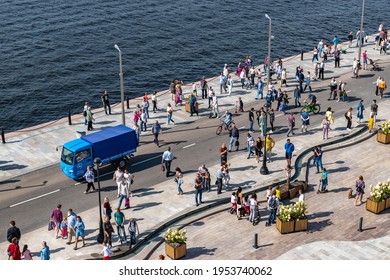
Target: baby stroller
[[233, 208], [375, 66]]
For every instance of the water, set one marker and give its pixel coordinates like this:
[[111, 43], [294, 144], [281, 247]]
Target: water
[[57, 54]]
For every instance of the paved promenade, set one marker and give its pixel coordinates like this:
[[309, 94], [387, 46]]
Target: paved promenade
[[331, 214]]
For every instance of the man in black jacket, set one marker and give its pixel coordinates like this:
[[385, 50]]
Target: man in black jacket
[[12, 232]]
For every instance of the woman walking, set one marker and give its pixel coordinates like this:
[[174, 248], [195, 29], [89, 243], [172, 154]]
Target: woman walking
[[79, 231], [169, 114], [360, 185], [348, 117], [329, 115], [325, 128], [179, 180], [107, 210], [13, 250], [223, 151], [360, 109], [258, 147]]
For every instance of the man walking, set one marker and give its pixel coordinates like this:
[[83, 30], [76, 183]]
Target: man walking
[[222, 83], [12, 232], [71, 225], [56, 217], [374, 110], [198, 189], [89, 118], [219, 176], [234, 136], [167, 158], [120, 224], [291, 124], [90, 178], [289, 148], [214, 105], [297, 96], [251, 118], [273, 204], [106, 102], [156, 130], [321, 70], [336, 55]]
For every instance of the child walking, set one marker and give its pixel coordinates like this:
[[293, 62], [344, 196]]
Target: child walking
[[64, 228], [106, 252]]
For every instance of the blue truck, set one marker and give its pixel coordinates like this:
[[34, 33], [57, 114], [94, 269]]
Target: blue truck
[[113, 145]]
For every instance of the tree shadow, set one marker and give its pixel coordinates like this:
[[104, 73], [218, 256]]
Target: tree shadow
[[318, 226], [243, 168], [319, 215], [194, 252], [9, 182], [337, 170], [103, 122], [12, 167], [141, 206], [339, 190]]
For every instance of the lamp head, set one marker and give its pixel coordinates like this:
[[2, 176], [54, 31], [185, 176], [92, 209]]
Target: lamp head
[[266, 15], [97, 161], [116, 46]]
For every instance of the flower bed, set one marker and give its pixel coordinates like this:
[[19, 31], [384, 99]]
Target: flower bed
[[383, 135]]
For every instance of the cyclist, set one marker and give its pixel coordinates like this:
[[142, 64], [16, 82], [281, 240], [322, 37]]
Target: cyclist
[[227, 118], [311, 99]]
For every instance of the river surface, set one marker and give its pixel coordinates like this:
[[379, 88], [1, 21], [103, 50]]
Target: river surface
[[55, 55]]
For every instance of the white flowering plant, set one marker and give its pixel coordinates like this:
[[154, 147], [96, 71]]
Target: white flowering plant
[[381, 191], [292, 212], [385, 127], [175, 237]]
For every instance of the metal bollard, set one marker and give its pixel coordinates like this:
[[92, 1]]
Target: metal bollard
[[2, 136], [255, 241], [127, 102], [69, 118], [360, 229], [301, 55]]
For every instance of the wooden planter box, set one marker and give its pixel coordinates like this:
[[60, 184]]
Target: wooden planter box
[[188, 109], [176, 253], [284, 192], [387, 203], [292, 193], [301, 225], [382, 138], [284, 227], [375, 207]]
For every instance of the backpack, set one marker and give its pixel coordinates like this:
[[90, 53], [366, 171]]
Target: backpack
[[272, 202], [346, 115], [85, 113]]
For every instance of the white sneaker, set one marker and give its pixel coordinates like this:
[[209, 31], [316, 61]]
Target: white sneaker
[[270, 131]]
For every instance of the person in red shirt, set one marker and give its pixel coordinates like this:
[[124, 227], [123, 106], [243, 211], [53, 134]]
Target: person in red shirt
[[13, 250]]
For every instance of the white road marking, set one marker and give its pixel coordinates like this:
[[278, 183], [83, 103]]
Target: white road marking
[[242, 127], [348, 91], [28, 200], [185, 147], [146, 160]]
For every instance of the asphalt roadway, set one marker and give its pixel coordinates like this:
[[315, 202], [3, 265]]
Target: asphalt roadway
[[29, 199]]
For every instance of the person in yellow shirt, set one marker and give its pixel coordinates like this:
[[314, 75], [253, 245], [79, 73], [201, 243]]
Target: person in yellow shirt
[[329, 115], [370, 122], [277, 192], [269, 144]]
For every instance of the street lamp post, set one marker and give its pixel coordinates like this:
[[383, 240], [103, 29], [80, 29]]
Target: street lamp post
[[100, 237], [264, 168], [269, 48], [361, 32], [122, 90]]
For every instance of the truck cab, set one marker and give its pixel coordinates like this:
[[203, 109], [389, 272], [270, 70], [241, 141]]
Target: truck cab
[[76, 156]]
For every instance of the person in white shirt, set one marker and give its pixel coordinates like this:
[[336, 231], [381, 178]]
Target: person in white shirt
[[242, 78], [230, 84], [144, 120], [118, 176], [106, 252], [215, 110], [167, 158], [123, 192], [301, 196]]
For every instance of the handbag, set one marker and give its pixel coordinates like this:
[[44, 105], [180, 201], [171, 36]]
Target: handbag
[[237, 143], [162, 167], [175, 179], [50, 226]]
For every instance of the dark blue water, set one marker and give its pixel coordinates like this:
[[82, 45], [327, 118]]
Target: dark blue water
[[57, 54]]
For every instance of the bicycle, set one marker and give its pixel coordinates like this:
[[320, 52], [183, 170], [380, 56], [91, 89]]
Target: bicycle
[[314, 108], [222, 126]]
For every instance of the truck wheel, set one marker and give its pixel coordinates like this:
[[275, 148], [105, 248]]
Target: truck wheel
[[122, 163]]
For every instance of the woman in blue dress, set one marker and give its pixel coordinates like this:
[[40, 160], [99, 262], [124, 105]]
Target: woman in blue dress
[[360, 109], [79, 226]]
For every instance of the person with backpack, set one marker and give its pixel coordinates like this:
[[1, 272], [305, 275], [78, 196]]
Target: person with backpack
[[273, 204], [133, 231]]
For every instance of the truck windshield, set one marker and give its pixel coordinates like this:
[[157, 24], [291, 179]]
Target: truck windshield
[[67, 156]]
